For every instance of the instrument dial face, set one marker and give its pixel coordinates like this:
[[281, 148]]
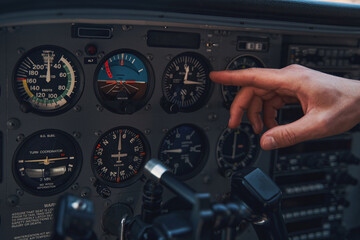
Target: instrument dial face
[[119, 156], [242, 62], [186, 82], [47, 162], [184, 150], [236, 148], [124, 81], [48, 80]]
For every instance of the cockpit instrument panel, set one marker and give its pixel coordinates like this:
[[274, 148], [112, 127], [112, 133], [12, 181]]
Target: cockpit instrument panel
[[86, 101]]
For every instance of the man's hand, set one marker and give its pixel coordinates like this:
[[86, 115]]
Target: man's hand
[[331, 104]]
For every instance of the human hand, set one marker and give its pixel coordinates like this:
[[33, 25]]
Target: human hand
[[330, 104]]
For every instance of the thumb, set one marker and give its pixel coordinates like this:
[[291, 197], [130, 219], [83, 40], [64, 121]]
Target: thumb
[[305, 128]]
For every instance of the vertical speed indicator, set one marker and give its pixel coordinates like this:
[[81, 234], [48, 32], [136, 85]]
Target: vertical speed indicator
[[47, 80], [186, 84]]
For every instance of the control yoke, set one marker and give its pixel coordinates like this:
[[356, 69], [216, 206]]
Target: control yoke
[[254, 198]]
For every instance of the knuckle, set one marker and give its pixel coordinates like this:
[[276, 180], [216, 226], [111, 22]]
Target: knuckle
[[294, 67], [288, 137]]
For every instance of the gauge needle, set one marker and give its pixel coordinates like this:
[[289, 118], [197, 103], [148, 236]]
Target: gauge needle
[[177, 150], [176, 165], [46, 161], [234, 146], [187, 69], [119, 144], [188, 162], [192, 82], [48, 75]]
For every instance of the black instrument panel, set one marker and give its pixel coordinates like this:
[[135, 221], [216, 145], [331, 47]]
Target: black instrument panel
[[134, 99]]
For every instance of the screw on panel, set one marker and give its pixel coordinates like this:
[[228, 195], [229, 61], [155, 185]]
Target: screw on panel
[[20, 137], [101, 55], [130, 200], [19, 192], [75, 187], [13, 124], [25, 107], [147, 131], [228, 173], [99, 108], [212, 116], [148, 107], [206, 179], [78, 53], [85, 192], [165, 130], [13, 200], [92, 179], [77, 108], [20, 51], [169, 57], [206, 128], [98, 133], [150, 57], [107, 203], [126, 27], [76, 134], [12, 29]]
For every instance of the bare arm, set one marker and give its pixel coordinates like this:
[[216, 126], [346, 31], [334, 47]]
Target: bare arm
[[331, 104]]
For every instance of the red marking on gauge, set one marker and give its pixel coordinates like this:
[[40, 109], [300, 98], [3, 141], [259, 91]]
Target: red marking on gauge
[[240, 146], [21, 79], [122, 62], [96, 157], [63, 154], [108, 69], [118, 179], [98, 146], [143, 153], [137, 136]]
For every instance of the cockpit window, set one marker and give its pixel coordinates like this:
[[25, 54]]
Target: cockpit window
[[341, 1]]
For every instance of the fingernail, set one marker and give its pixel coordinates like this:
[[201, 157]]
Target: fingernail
[[269, 143]]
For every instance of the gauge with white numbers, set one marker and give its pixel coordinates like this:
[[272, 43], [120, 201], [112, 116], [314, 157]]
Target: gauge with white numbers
[[186, 84], [236, 149], [119, 156], [47, 162], [241, 62], [48, 80], [184, 150]]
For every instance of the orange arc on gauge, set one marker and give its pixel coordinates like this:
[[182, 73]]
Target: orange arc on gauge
[[26, 87]]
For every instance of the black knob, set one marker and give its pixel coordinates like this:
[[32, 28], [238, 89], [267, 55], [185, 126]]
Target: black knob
[[152, 198], [103, 191], [112, 217]]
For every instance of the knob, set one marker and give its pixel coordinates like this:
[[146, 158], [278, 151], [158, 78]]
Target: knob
[[112, 217]]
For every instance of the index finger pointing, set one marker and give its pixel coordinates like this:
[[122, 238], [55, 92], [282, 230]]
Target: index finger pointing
[[256, 77]]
